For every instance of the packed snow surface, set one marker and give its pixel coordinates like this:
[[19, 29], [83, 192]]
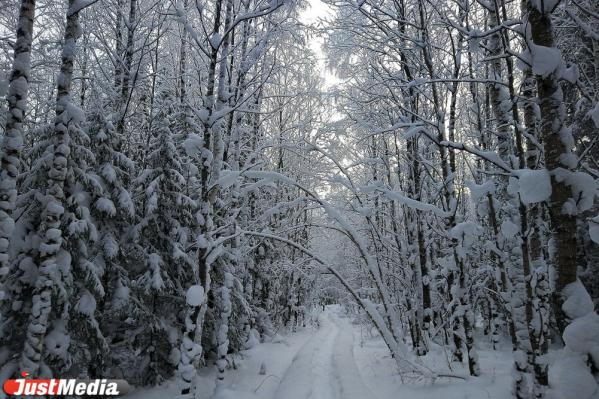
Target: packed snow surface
[[336, 359]]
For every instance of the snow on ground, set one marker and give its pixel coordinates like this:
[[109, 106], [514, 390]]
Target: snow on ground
[[325, 368], [339, 360], [311, 372], [244, 382], [379, 371]]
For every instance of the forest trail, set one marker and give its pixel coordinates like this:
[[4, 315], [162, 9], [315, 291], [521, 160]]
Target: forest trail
[[183, 182], [324, 367]]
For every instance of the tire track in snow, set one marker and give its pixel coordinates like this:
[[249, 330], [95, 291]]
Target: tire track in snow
[[351, 384], [325, 384], [324, 367], [299, 381]]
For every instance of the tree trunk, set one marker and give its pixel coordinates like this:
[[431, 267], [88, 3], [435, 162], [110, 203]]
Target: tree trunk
[[126, 68], [12, 142], [50, 226], [552, 131]]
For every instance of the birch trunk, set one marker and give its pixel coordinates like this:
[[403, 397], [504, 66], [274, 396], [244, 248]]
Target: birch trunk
[[50, 230], [12, 142]]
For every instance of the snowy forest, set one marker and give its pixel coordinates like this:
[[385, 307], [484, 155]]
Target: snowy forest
[[294, 199]]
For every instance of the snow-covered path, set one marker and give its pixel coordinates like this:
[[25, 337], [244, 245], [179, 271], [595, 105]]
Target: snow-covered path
[[325, 368], [326, 363]]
